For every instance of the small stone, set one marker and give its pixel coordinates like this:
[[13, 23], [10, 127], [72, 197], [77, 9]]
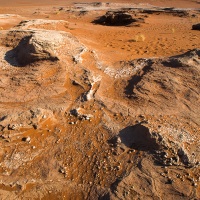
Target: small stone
[[35, 126], [165, 156], [194, 184], [26, 139], [162, 174], [12, 127], [118, 140], [170, 181], [62, 170], [178, 176], [118, 167]]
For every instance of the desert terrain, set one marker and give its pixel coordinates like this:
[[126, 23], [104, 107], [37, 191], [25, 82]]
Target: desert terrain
[[100, 100]]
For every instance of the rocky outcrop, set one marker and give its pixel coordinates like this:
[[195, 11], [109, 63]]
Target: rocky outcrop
[[117, 18], [37, 47], [170, 83], [34, 45], [165, 145], [24, 119], [47, 53]]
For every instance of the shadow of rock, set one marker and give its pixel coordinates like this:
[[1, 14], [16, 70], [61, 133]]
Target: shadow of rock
[[137, 137], [10, 57], [29, 51], [132, 83]]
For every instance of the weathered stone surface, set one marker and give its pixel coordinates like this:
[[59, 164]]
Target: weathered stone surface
[[42, 24], [39, 44], [35, 48]]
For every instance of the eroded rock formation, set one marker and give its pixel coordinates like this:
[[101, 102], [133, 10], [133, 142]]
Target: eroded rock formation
[[118, 18]]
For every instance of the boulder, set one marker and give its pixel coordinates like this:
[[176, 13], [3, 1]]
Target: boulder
[[33, 45], [38, 46], [116, 18], [196, 27]]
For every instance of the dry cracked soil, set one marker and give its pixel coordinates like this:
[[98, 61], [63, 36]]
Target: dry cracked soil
[[100, 100]]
